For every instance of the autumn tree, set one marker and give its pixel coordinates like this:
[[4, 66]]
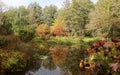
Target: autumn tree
[[43, 31], [59, 28]]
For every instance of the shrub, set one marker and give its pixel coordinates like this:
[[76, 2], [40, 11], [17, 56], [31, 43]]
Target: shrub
[[12, 61], [26, 34], [103, 57], [6, 28], [3, 42]]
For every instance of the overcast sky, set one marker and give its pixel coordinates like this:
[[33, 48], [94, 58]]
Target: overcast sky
[[43, 3]]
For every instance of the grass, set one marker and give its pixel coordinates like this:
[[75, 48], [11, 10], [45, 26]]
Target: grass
[[53, 42], [68, 41], [89, 39]]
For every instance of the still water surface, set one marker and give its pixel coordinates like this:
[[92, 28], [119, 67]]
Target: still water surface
[[61, 61], [47, 70]]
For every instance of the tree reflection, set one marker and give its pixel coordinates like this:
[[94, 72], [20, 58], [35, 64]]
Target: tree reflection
[[49, 64], [58, 54], [73, 58], [68, 58]]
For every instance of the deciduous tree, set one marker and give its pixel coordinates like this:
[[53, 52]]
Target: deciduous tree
[[59, 28], [102, 17], [75, 15], [49, 14], [35, 13]]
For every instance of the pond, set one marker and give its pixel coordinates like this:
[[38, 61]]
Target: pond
[[61, 61]]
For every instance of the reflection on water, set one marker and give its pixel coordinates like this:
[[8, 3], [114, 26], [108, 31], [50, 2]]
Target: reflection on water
[[43, 71], [47, 67], [61, 61]]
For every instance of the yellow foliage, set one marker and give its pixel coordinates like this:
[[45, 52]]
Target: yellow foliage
[[43, 30], [81, 64], [59, 28]]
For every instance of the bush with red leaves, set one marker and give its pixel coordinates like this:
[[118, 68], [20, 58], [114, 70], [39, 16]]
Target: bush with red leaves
[[106, 58]]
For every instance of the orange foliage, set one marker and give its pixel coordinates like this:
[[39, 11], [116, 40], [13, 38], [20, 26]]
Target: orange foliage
[[59, 28], [58, 53], [43, 30]]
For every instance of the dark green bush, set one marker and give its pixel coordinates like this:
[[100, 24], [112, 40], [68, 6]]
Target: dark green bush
[[6, 28], [3, 42], [26, 34], [52, 42]]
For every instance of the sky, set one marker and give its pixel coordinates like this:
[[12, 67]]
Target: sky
[[43, 3]]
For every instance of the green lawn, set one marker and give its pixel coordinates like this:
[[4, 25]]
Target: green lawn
[[88, 39], [68, 41]]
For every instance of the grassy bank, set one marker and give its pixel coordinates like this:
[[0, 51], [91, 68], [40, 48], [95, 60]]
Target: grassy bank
[[68, 41]]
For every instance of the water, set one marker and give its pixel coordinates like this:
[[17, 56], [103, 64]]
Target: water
[[47, 68], [43, 71], [61, 61]]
